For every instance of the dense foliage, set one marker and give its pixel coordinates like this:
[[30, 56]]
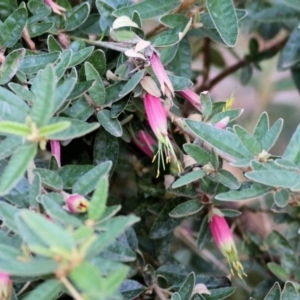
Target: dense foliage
[[121, 177]]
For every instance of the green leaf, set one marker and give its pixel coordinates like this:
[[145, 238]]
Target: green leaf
[[62, 92], [282, 197], [167, 54], [11, 65], [29, 268], [42, 108], [12, 108], [98, 202], [112, 126], [163, 224], [180, 83], [182, 61], [106, 148], [173, 20], [50, 178], [77, 129], [224, 17], [51, 234], [80, 110], [278, 271], [88, 279], [275, 178], [14, 128], [56, 212], [35, 190], [206, 104], [80, 89], [290, 55], [77, 17], [176, 296], [11, 29], [48, 290], [199, 154], [37, 29], [219, 294], [80, 56], [262, 126], [276, 13], [131, 289], [274, 293], [228, 179], [97, 91], [21, 91], [17, 167], [33, 63], [188, 178], [62, 65], [148, 9], [132, 83], [269, 139], [256, 190], [294, 4], [53, 44], [39, 11], [113, 227], [188, 208], [230, 213], [289, 292], [204, 235], [292, 151], [98, 60], [186, 289], [88, 182], [247, 140], [221, 139], [54, 128], [7, 215], [113, 92], [9, 145]]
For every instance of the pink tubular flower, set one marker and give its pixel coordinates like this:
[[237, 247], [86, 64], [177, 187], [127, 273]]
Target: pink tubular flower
[[222, 123], [77, 204], [145, 142], [55, 7], [224, 240], [55, 151], [158, 122], [162, 76], [5, 286], [192, 97]]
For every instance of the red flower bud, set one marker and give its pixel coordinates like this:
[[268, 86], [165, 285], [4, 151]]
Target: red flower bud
[[77, 204]]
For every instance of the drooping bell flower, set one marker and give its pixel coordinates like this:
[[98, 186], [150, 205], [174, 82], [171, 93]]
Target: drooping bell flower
[[192, 97], [145, 142], [5, 286], [162, 76], [55, 151], [55, 7], [223, 238], [77, 204], [158, 122]]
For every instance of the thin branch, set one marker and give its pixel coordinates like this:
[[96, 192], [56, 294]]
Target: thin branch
[[211, 83], [108, 45], [206, 60], [71, 288], [158, 292]]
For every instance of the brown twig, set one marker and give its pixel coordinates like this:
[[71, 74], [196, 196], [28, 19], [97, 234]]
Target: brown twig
[[205, 86]]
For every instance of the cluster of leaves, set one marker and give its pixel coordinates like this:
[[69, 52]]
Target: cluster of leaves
[[62, 78]]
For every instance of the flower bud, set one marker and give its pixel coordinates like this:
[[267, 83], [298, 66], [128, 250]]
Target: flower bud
[[222, 123], [77, 204], [5, 286], [192, 97], [224, 240]]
